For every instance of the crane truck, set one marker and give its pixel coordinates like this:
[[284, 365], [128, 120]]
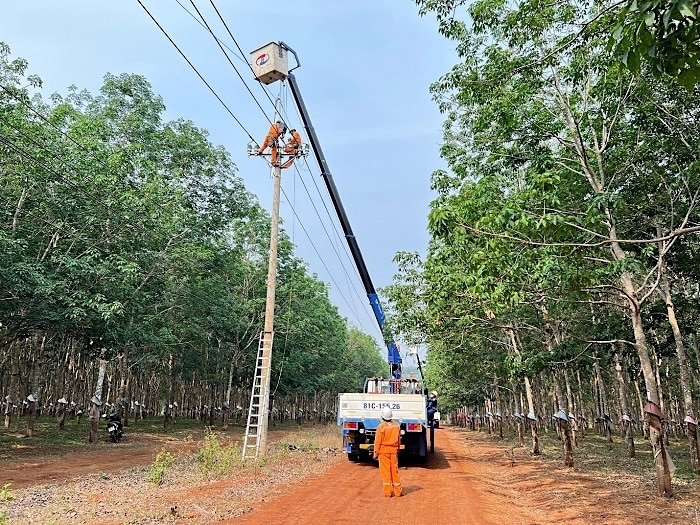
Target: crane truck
[[359, 413]]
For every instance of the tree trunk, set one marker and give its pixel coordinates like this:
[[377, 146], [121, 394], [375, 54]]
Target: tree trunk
[[683, 366], [96, 402], [94, 422], [691, 430], [227, 401], [31, 411], [627, 428], [603, 409], [169, 395], [580, 417], [61, 415], [533, 418], [8, 410], [568, 446], [661, 457], [521, 435]]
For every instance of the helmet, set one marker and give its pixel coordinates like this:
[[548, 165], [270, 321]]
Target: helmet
[[433, 393], [387, 414]]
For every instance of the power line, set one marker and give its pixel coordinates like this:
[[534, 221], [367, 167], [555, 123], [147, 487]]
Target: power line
[[205, 24], [196, 71], [221, 47], [226, 55]]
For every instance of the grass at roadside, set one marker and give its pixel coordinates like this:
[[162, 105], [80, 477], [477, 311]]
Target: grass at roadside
[[48, 437]]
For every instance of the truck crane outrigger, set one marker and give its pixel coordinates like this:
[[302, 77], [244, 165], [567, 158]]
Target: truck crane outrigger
[[359, 414]]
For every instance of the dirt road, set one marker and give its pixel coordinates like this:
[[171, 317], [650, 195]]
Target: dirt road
[[440, 492], [472, 479]]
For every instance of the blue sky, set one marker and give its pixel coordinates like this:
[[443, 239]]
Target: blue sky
[[366, 66]]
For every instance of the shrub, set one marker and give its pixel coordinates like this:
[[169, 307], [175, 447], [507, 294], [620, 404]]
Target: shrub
[[161, 463], [5, 495], [215, 459]]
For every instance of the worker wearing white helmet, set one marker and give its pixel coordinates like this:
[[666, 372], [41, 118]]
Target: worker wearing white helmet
[[386, 450]]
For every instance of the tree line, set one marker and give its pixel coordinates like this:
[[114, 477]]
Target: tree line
[[133, 261], [561, 277]]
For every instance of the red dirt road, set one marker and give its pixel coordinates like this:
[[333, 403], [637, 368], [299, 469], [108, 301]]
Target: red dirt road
[[25, 469], [469, 481], [352, 493]]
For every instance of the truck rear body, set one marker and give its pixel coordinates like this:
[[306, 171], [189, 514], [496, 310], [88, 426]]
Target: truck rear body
[[359, 415]]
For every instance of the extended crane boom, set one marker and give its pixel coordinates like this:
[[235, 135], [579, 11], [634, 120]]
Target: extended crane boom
[[394, 356]]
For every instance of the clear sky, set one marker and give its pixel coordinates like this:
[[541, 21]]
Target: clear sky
[[366, 67]]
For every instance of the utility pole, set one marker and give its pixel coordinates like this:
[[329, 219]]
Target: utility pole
[[255, 442], [269, 65], [270, 306]]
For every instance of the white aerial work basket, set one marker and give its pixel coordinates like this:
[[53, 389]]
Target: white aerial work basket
[[270, 63]]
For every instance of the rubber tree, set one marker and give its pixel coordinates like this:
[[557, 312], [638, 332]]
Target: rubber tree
[[536, 93]]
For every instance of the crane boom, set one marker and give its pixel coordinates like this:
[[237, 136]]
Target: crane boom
[[394, 357]]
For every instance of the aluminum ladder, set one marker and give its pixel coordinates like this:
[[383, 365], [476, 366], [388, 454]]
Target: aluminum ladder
[[256, 410]]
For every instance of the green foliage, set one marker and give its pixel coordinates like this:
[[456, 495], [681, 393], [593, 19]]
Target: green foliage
[[122, 231], [550, 202], [308, 440], [216, 459], [662, 33], [162, 462], [5, 495]]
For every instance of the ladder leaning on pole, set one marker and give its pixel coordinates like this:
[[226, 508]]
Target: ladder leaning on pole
[[256, 410]]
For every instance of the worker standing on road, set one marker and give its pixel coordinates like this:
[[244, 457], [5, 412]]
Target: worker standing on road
[[432, 409], [386, 449], [275, 133]]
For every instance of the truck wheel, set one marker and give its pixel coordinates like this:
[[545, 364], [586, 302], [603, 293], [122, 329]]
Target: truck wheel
[[353, 457]]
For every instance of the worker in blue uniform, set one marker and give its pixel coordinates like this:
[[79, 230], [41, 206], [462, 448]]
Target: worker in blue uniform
[[432, 406], [432, 409]]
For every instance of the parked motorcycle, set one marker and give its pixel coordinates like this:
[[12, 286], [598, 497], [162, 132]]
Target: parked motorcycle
[[115, 429]]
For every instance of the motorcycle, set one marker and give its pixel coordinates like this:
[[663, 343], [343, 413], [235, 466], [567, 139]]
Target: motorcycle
[[115, 429]]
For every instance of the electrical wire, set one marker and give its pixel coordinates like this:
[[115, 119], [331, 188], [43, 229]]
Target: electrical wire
[[196, 71], [227, 57], [221, 47]]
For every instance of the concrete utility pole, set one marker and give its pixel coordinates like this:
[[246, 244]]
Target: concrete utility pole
[[270, 307], [269, 64]]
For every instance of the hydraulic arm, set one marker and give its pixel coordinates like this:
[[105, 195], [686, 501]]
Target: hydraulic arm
[[393, 352]]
